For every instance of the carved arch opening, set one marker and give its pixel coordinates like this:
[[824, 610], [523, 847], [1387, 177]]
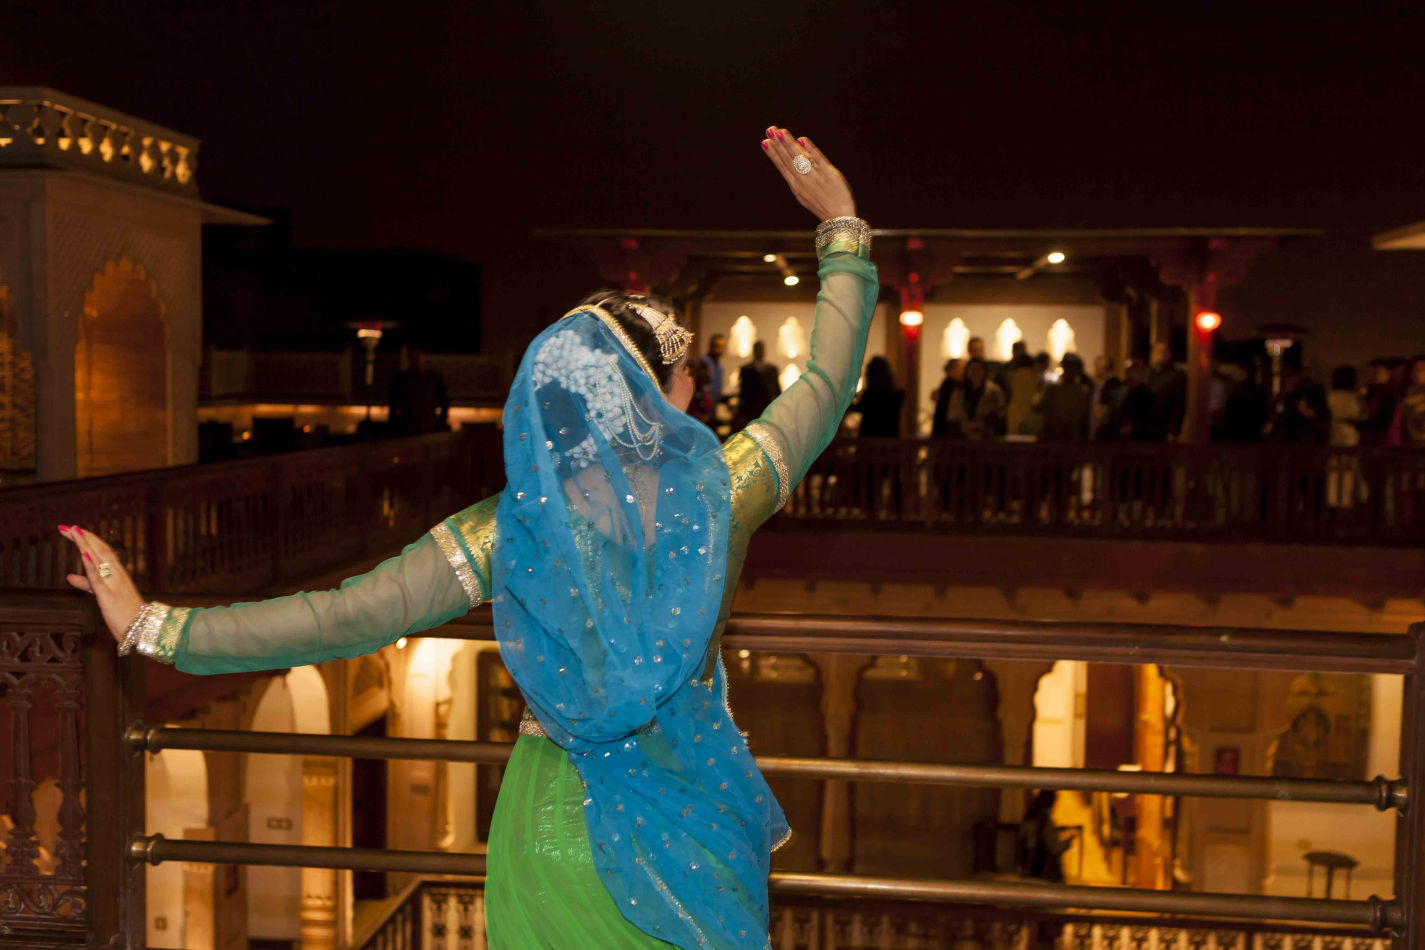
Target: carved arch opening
[[17, 395], [121, 392]]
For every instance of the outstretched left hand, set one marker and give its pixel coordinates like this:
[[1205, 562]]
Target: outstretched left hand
[[118, 596]]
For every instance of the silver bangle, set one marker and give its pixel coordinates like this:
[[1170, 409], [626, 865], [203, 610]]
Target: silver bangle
[[131, 635], [844, 229], [142, 634]]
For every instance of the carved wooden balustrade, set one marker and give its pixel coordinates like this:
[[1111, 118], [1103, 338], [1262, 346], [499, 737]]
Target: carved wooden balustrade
[[62, 696], [246, 525], [1265, 493], [441, 914]]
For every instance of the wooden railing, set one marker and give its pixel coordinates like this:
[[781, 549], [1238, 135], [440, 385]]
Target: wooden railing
[[1282, 494], [248, 525], [429, 910], [53, 654]]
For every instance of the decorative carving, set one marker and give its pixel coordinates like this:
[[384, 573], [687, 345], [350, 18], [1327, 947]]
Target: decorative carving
[[42, 126], [43, 666], [17, 395]]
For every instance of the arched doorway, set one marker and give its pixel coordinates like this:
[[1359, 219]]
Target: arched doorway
[[121, 374], [292, 800], [17, 397], [180, 896]]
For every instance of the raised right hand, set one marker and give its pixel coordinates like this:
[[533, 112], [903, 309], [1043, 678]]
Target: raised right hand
[[823, 190]]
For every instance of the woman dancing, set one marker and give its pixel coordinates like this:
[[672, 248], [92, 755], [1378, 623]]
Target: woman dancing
[[631, 813]]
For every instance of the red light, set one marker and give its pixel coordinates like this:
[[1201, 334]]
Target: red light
[[1208, 320]]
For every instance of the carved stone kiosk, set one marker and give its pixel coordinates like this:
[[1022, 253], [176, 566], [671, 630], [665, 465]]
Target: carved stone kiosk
[[100, 289]]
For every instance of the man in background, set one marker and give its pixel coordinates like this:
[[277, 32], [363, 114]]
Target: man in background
[[418, 400]]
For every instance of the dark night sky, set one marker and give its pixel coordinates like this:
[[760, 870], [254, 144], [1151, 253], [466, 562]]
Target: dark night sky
[[460, 127]]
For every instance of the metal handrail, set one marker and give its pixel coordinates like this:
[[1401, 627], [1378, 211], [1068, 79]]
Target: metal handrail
[[1234, 647], [1257, 648], [1380, 792], [1377, 914]]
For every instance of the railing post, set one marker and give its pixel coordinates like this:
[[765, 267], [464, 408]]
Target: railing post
[[155, 551], [1410, 826], [114, 778]]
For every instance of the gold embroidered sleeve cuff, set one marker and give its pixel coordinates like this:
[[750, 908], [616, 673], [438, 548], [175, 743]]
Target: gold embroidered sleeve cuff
[[459, 563], [768, 442], [467, 539], [157, 631], [844, 235]]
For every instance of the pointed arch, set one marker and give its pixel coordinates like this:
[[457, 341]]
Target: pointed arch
[[121, 387]]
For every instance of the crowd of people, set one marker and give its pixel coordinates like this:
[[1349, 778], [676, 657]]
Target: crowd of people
[[1027, 399]]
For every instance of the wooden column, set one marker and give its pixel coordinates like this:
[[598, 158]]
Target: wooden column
[[1016, 684], [1149, 737], [840, 673], [319, 885]]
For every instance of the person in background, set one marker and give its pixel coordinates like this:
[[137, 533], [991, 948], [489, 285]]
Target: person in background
[[1300, 414], [1168, 387], [702, 406], [1380, 402], [954, 379], [976, 409], [1019, 381], [1040, 848], [1067, 405], [1107, 389], [1244, 407], [757, 386], [1408, 426], [417, 398], [880, 402], [1347, 407], [975, 348], [712, 362], [1344, 485], [1133, 420]]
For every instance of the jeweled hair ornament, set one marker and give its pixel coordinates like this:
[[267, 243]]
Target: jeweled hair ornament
[[673, 339]]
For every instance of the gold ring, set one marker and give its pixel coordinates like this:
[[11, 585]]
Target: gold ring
[[105, 569]]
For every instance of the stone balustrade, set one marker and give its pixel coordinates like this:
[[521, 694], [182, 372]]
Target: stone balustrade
[[43, 128]]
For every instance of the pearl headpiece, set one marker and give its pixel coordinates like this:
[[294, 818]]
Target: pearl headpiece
[[673, 339]]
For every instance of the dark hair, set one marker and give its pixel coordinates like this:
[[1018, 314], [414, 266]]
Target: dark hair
[[982, 366], [879, 375], [622, 307], [1073, 366], [1343, 377]]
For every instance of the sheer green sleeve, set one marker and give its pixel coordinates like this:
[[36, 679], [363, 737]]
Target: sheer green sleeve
[[435, 579], [801, 422]]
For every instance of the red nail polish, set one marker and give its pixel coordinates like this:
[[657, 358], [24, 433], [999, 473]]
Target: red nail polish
[[766, 145], [804, 143], [87, 557]]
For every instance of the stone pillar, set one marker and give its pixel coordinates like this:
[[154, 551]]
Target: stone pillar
[[839, 674], [200, 896], [1149, 737], [1197, 424], [319, 811], [1016, 684]]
